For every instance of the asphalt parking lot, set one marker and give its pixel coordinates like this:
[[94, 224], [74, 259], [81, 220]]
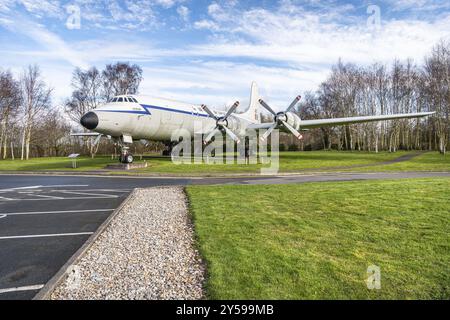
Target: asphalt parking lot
[[44, 220], [43, 223]]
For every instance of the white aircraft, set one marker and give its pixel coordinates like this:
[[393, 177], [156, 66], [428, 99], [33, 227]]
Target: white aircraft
[[129, 118]]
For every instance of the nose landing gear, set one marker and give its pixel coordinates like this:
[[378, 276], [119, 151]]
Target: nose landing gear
[[125, 155]]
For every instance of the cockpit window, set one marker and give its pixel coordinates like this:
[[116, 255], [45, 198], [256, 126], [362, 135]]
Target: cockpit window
[[114, 100], [134, 100]]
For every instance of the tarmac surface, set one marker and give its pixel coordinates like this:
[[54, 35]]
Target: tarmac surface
[[44, 220]]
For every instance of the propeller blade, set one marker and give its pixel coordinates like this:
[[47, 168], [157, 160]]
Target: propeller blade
[[232, 109], [208, 111], [211, 135], [291, 129], [231, 134], [293, 103], [268, 132], [265, 105]]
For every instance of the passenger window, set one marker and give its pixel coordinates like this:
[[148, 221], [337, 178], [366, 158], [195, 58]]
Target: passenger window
[[120, 100], [114, 100]]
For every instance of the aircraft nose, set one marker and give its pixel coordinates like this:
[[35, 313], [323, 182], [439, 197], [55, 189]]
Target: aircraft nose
[[89, 121]]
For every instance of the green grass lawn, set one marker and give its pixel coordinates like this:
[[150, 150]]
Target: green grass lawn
[[430, 161], [316, 240], [55, 164], [289, 162]]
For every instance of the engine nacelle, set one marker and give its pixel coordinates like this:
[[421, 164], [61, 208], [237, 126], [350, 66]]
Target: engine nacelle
[[234, 124], [293, 119]]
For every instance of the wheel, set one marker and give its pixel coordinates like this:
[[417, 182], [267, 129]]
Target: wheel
[[129, 158], [126, 158]]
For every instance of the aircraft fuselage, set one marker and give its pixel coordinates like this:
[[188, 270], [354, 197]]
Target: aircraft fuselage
[[152, 119]]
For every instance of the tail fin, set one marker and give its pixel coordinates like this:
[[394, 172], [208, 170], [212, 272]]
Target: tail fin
[[252, 112]]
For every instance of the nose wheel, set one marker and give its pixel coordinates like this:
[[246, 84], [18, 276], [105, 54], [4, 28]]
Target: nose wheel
[[126, 156]]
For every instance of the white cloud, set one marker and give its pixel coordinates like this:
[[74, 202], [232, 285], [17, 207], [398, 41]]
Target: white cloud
[[48, 40], [183, 12], [48, 8], [206, 24], [166, 3], [287, 49], [303, 38], [216, 83], [105, 14], [417, 5]]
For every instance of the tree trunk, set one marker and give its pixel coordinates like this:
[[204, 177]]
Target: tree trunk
[[5, 146], [27, 147], [12, 150], [22, 152], [442, 144], [1, 137]]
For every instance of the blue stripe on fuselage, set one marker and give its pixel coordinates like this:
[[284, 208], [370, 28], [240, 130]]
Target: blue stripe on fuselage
[[147, 112], [126, 111], [174, 110]]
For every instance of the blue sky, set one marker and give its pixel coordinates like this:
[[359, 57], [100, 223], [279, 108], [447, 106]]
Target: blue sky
[[209, 51]]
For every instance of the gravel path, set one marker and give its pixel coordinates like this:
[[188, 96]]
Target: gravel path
[[147, 252]]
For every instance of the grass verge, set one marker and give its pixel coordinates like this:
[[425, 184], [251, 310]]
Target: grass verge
[[289, 162], [316, 240]]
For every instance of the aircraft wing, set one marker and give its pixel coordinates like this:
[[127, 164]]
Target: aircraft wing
[[85, 134], [311, 124]]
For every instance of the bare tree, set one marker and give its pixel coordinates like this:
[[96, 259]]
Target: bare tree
[[93, 87], [36, 97], [10, 100], [403, 88], [52, 135], [121, 78], [87, 95], [437, 90]]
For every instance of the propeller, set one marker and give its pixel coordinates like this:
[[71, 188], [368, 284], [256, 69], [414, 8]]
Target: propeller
[[280, 118], [221, 123]]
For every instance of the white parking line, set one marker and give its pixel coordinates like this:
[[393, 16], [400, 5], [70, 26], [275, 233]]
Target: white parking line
[[51, 212], [51, 186], [72, 198], [50, 197], [46, 235], [26, 288], [88, 194], [21, 188], [95, 190], [29, 192]]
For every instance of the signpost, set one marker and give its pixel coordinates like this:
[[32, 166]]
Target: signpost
[[74, 157]]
